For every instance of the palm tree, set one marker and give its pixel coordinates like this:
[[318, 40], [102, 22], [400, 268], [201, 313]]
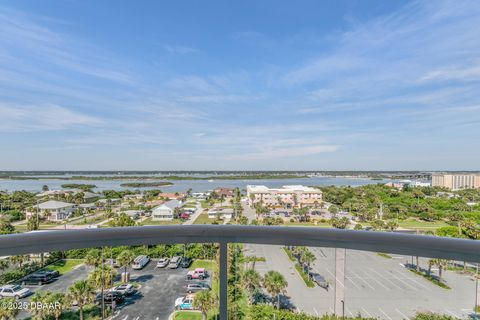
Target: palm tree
[[83, 293], [204, 301], [308, 258], [391, 225], [20, 259], [40, 297], [275, 284], [57, 299], [4, 264], [102, 275], [440, 263], [125, 258], [251, 280], [431, 262], [93, 258], [6, 311]]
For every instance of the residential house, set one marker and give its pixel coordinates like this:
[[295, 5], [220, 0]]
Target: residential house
[[165, 211], [53, 210]]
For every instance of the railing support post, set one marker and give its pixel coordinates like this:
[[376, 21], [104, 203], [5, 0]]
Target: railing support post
[[223, 280]]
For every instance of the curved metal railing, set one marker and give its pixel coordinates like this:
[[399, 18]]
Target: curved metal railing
[[391, 242], [426, 246]]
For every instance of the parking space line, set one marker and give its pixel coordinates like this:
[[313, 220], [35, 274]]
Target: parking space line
[[335, 278], [386, 315], [386, 279], [351, 314], [315, 310], [353, 282], [359, 277], [331, 310], [404, 282], [413, 280], [401, 313], [451, 313], [375, 279], [367, 313]]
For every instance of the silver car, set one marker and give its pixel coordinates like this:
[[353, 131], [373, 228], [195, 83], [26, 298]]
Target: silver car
[[163, 262]]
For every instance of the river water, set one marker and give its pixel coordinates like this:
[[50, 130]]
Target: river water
[[34, 185]]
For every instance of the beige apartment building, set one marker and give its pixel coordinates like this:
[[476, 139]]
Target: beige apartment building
[[286, 196], [456, 181]]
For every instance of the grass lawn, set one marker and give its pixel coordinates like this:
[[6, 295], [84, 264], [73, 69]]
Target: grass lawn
[[204, 219], [207, 264], [192, 315], [150, 222], [188, 315], [23, 227], [64, 266], [416, 224]]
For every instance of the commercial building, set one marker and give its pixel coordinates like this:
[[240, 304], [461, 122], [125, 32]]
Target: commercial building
[[52, 210], [456, 181], [286, 196], [165, 212]]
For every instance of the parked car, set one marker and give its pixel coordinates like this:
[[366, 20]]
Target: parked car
[[163, 262], [186, 262], [110, 297], [198, 273], [185, 216], [197, 286], [140, 262], [125, 289], [184, 303], [174, 262], [14, 291], [112, 262], [318, 279], [39, 278]]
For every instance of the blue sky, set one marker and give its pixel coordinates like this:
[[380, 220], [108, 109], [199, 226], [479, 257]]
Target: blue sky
[[267, 85]]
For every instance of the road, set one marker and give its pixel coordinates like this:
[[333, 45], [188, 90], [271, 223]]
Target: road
[[374, 286], [194, 216]]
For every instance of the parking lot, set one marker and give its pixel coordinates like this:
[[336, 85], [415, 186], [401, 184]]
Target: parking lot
[[154, 299], [374, 286], [156, 296], [60, 284]]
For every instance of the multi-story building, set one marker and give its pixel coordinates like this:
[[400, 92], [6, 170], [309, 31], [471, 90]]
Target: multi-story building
[[456, 181], [286, 196]]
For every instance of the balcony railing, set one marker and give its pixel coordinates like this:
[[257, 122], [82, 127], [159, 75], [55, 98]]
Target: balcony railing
[[396, 243]]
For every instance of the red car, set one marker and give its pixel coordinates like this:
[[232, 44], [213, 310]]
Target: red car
[[184, 216]]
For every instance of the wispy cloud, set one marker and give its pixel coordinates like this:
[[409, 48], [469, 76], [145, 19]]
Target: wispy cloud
[[20, 118], [180, 49]]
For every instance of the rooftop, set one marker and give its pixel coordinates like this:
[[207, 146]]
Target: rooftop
[[53, 204]]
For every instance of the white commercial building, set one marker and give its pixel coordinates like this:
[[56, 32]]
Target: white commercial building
[[286, 196], [165, 212], [53, 210], [456, 181]]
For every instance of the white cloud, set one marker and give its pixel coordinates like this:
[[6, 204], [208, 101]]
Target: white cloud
[[16, 118], [180, 49]]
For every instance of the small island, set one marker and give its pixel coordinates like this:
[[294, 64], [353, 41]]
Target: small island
[[146, 184]]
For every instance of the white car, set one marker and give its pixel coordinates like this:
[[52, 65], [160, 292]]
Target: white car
[[125, 289], [14, 291], [163, 262]]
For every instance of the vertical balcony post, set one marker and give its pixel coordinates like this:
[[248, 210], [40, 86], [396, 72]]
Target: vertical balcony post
[[223, 280]]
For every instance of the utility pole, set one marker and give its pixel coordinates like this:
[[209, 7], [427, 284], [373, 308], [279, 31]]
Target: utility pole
[[103, 297]]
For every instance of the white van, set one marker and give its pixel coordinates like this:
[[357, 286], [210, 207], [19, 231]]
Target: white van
[[140, 262], [174, 262]]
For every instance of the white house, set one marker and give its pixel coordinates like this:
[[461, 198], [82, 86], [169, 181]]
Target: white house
[[165, 212], [53, 210], [222, 213]]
